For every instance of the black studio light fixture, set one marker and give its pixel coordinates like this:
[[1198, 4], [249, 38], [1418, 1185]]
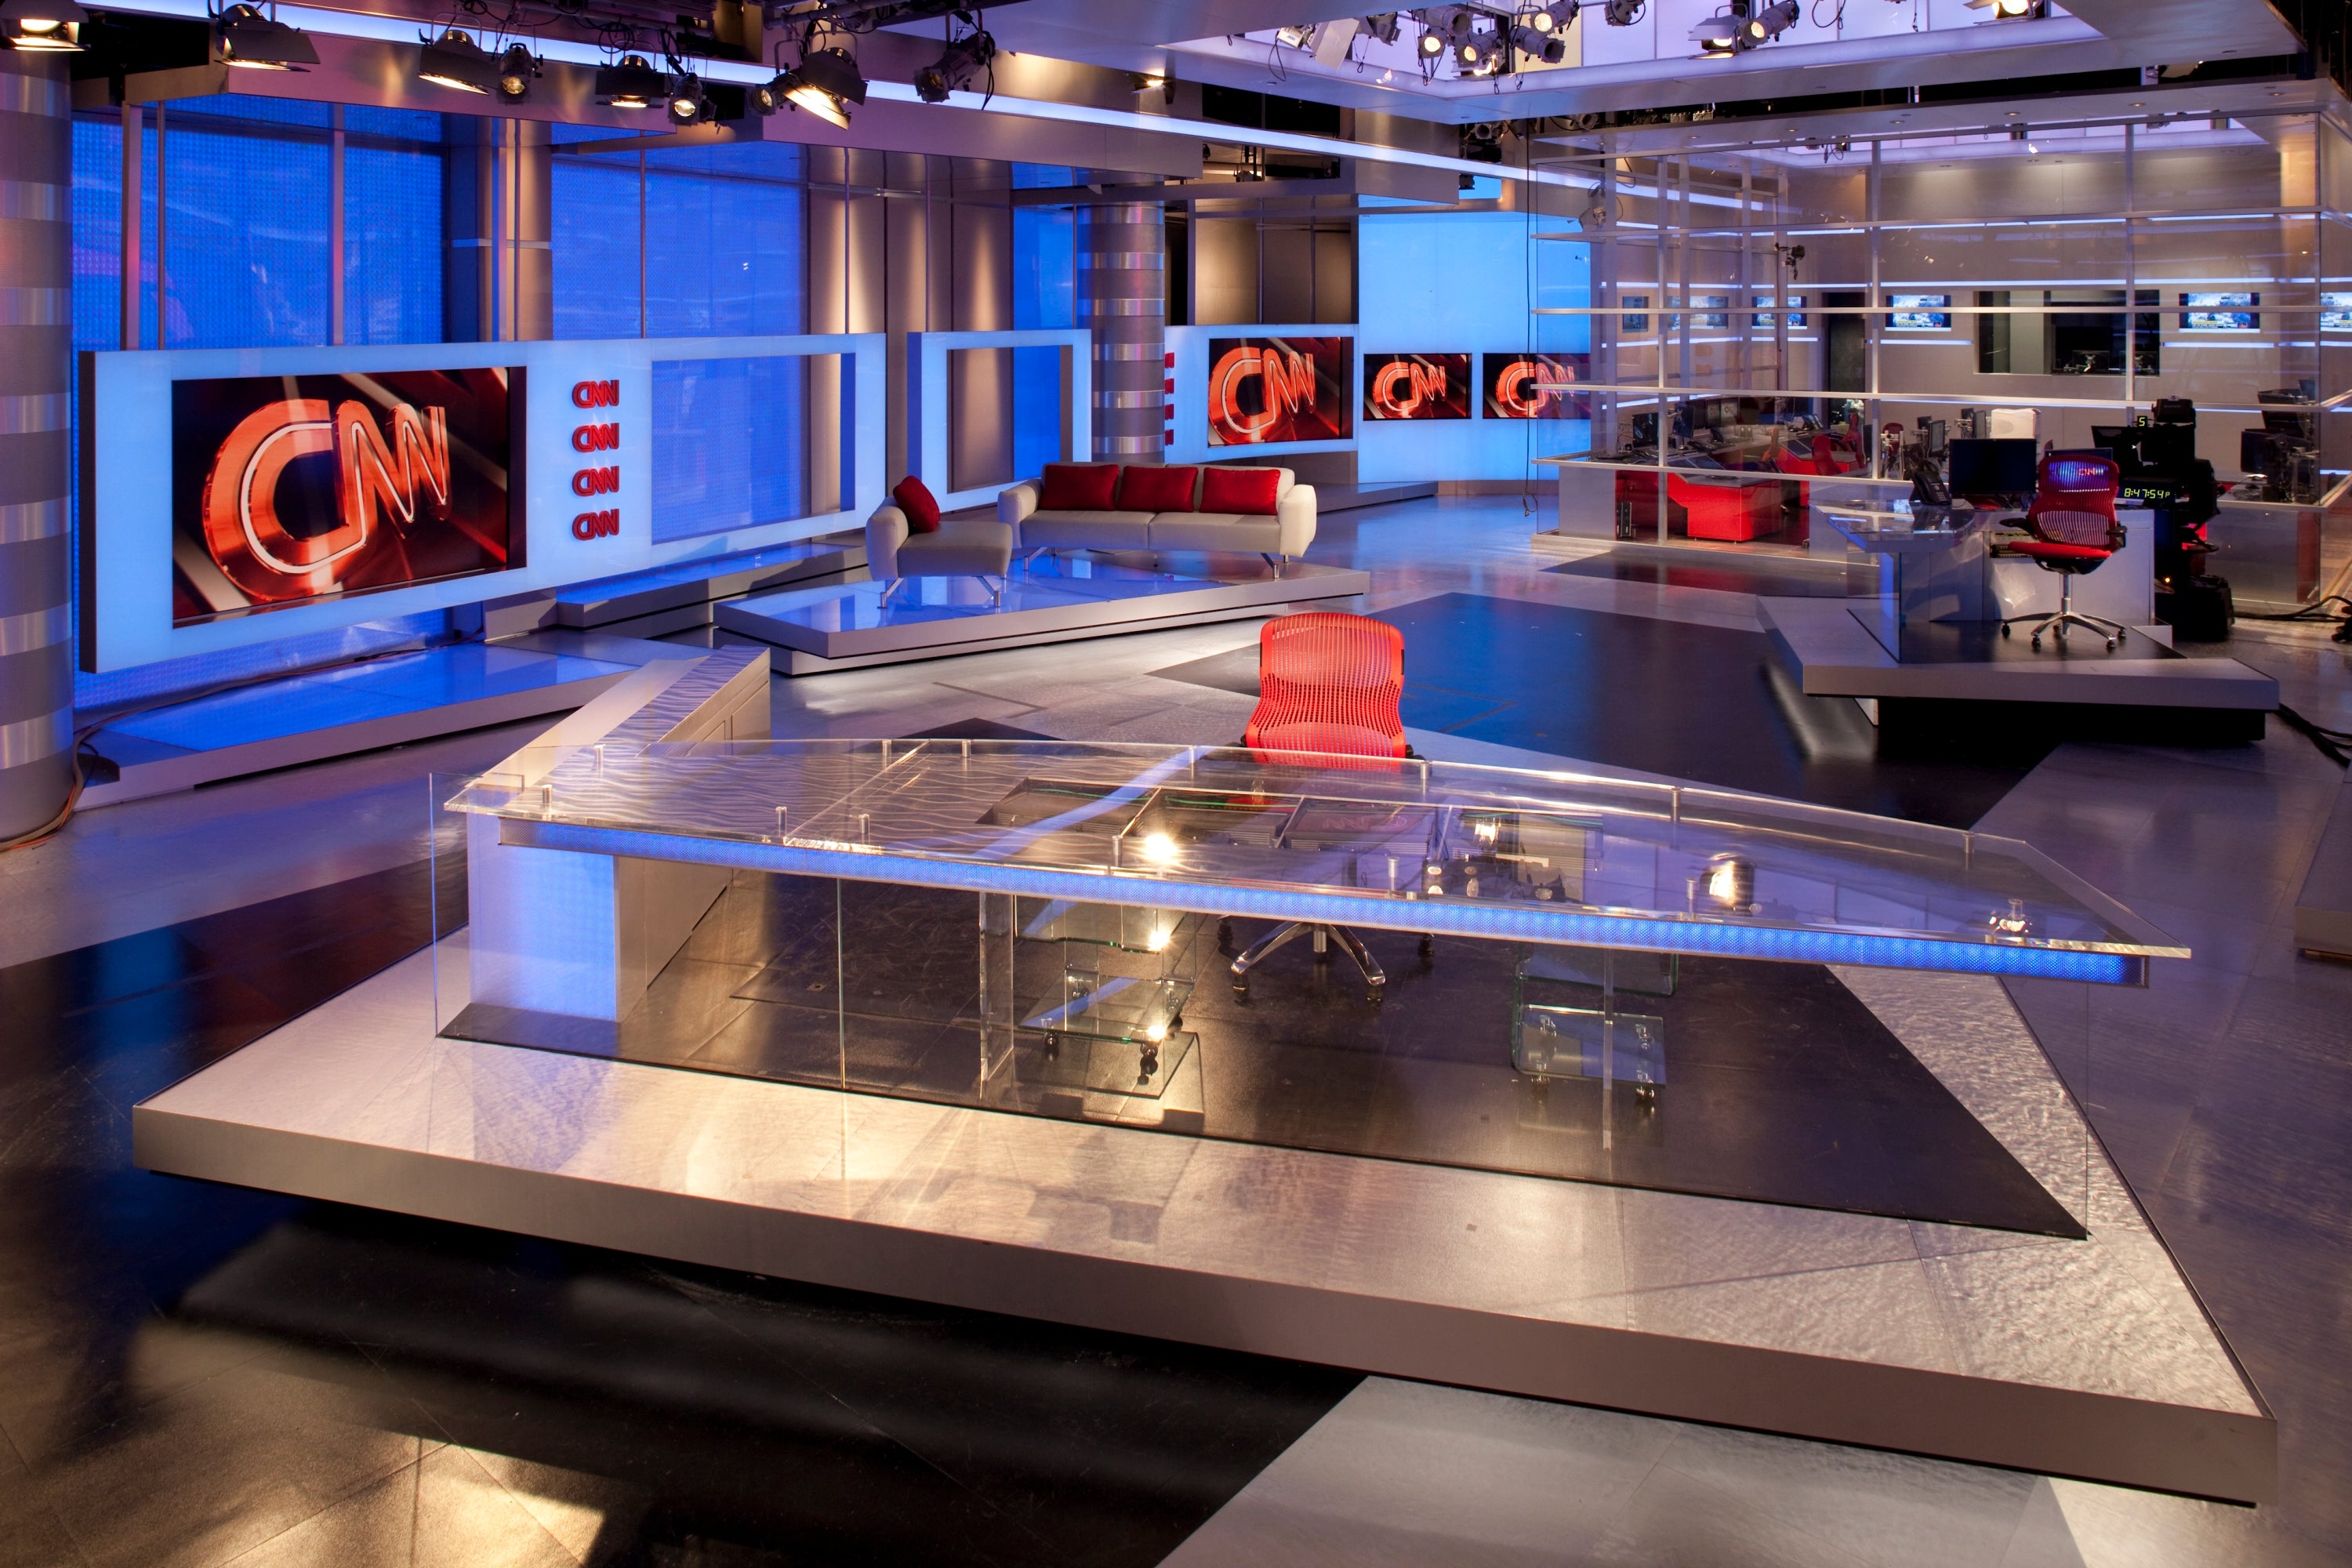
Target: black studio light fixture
[[455, 60], [43, 26], [690, 102], [247, 39], [825, 83], [518, 69], [958, 63], [630, 83]]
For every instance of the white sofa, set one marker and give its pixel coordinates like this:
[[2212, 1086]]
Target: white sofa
[[1280, 538]]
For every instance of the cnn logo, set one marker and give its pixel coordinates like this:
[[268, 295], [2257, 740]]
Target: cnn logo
[[595, 438], [596, 524], [595, 395], [595, 481]]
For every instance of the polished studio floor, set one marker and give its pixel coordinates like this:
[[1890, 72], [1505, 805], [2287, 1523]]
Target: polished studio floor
[[191, 1374]]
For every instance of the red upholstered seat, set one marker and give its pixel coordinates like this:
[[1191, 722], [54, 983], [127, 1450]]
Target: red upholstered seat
[[1328, 683], [2051, 550]]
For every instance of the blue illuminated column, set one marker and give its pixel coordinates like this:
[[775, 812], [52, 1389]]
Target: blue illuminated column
[[36, 325]]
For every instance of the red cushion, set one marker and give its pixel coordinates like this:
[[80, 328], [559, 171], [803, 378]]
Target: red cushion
[[1244, 492], [1078, 487], [1156, 488], [922, 509], [2051, 550]]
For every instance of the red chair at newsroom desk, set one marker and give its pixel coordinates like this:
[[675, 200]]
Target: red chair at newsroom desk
[[1329, 684], [2074, 527]]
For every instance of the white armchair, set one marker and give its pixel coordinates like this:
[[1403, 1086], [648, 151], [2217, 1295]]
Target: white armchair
[[959, 547]]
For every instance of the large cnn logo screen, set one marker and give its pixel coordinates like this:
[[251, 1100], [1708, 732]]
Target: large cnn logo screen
[[1269, 390], [286, 490]]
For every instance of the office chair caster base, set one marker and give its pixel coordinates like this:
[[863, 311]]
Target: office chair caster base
[[1224, 936], [2004, 629], [1428, 949]]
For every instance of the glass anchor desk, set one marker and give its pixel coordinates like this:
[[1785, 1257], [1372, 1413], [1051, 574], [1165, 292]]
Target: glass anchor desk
[[1590, 977]]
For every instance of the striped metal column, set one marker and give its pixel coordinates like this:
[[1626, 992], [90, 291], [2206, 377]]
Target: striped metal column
[[36, 341], [1122, 253]]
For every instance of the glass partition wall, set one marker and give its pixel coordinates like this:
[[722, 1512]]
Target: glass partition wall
[[1811, 306]]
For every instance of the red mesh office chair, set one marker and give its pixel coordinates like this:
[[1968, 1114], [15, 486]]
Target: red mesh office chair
[[2072, 520], [1328, 684]]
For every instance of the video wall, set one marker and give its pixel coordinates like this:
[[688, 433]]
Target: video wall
[[312, 488]]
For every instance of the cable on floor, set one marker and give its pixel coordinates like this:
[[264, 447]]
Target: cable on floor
[[87, 733], [2331, 742]]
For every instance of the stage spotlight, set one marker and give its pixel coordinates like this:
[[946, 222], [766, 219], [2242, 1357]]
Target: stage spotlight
[[1546, 47], [957, 65], [455, 60], [518, 69], [630, 83], [825, 83], [1431, 46], [1721, 34], [43, 26], [689, 103], [249, 39], [1382, 25], [1625, 13], [1482, 54], [1776, 18]]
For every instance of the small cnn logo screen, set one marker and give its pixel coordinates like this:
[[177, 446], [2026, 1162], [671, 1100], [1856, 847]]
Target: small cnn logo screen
[[1416, 386], [288, 490]]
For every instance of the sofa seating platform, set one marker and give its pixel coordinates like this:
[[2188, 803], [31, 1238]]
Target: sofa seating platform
[[1041, 597]]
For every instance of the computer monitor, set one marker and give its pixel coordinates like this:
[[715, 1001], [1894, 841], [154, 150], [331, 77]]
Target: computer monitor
[[2106, 436], [1987, 466], [2255, 450], [1933, 436], [2154, 448]]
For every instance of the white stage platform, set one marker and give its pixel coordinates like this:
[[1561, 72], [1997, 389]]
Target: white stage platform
[[1050, 598], [2088, 1358], [334, 713]]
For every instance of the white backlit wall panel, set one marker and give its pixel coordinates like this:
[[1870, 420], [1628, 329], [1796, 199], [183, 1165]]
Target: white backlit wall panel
[[1465, 283]]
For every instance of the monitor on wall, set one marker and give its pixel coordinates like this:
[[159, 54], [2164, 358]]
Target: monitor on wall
[[287, 490], [1534, 386], [1919, 313], [1417, 386], [2219, 312]]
